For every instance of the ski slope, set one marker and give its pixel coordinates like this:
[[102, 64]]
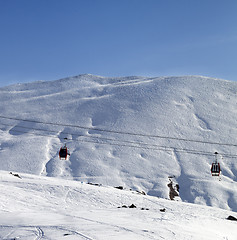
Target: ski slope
[[135, 132], [36, 207]]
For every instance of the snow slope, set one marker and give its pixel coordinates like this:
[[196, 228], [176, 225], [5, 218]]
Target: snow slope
[[36, 207], [146, 123], [197, 108]]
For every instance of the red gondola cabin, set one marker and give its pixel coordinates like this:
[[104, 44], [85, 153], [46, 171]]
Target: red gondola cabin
[[63, 153]]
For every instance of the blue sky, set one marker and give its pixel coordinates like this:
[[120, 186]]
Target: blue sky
[[52, 39]]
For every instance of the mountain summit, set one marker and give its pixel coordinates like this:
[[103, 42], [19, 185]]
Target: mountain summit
[[136, 132]]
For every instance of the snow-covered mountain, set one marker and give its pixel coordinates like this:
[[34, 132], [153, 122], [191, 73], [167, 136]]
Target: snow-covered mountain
[[135, 132]]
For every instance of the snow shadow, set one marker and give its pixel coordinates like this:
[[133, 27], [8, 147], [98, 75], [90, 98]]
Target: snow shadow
[[22, 128]]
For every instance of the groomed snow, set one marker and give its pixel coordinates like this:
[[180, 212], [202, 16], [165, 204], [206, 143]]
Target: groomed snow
[[36, 207]]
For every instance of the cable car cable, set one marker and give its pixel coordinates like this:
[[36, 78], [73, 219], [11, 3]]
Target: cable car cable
[[96, 137], [120, 132], [155, 147]]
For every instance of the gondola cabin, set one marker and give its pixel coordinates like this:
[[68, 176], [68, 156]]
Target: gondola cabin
[[215, 169], [63, 153]]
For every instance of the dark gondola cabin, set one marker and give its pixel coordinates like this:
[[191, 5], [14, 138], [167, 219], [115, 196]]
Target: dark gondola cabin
[[215, 169], [63, 153]]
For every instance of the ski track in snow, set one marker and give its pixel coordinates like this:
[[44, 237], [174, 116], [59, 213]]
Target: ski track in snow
[[115, 227], [42, 232], [85, 211]]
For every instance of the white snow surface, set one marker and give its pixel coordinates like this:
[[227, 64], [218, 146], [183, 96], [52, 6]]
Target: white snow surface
[[135, 132]]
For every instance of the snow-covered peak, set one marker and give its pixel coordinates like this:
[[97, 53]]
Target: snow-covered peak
[[128, 131]]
